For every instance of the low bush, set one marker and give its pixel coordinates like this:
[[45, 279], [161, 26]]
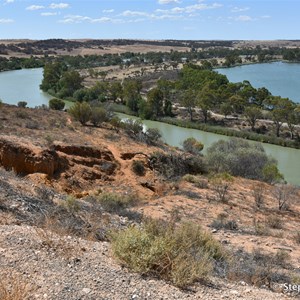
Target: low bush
[[220, 184], [201, 183], [174, 165], [115, 203], [182, 254], [274, 222], [22, 104], [138, 167], [192, 146], [56, 104]]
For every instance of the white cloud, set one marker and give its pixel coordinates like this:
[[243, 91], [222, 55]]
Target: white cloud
[[108, 11], [131, 13], [48, 14], [189, 9], [9, 1], [6, 21], [35, 7], [168, 1], [243, 18], [73, 19], [266, 17], [239, 9], [59, 5]]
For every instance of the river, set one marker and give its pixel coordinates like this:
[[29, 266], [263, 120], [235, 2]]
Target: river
[[281, 79], [23, 85]]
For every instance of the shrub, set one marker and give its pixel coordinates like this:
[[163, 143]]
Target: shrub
[[98, 116], [274, 222], [22, 114], [192, 146], [180, 254], [173, 165], [239, 158], [271, 174], [257, 191], [22, 104], [223, 222], [132, 127], [285, 195], [56, 104], [81, 112], [153, 136], [138, 167], [198, 182], [115, 203], [220, 183]]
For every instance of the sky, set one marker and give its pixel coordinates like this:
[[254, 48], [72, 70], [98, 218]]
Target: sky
[[150, 19]]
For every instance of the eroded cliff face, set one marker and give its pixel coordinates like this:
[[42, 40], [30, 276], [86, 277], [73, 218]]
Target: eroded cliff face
[[67, 163], [25, 160]]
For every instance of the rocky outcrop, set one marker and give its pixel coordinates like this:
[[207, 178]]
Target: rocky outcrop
[[83, 162], [24, 160]]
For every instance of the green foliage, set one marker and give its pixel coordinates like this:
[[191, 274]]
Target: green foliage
[[81, 112], [56, 104], [182, 254], [192, 146], [138, 167], [70, 82], [22, 104], [71, 204], [252, 113], [239, 158], [271, 173], [98, 116]]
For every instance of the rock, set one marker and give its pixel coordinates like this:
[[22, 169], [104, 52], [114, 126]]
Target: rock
[[86, 290]]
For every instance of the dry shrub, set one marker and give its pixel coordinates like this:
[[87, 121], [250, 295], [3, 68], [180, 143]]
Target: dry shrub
[[181, 254], [14, 288], [220, 184], [115, 203], [274, 222], [258, 194]]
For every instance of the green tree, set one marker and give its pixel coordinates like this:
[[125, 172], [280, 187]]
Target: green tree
[[189, 100], [116, 90], [52, 75], [281, 108], [155, 99], [70, 82], [131, 92], [81, 112], [226, 109], [206, 101], [252, 114]]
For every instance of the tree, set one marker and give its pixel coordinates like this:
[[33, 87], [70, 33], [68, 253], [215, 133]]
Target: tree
[[131, 92], [81, 112], [116, 90], [252, 113], [281, 109], [69, 83], [155, 100], [206, 101], [238, 103], [226, 109], [56, 104], [189, 100], [52, 75]]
